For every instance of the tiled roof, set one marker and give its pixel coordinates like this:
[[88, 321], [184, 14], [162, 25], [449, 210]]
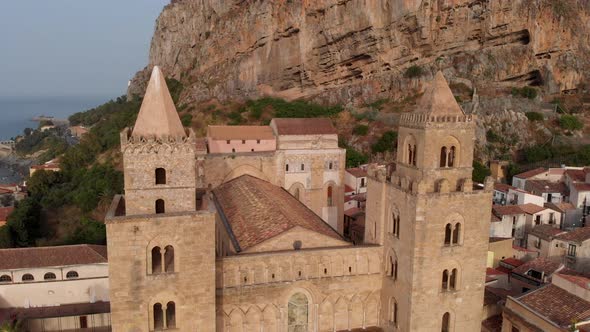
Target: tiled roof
[[581, 186], [577, 175], [493, 272], [556, 304], [348, 189], [512, 262], [540, 264], [64, 310], [6, 191], [546, 232], [522, 249], [531, 173], [503, 187], [560, 207], [544, 186], [257, 210], [577, 278], [578, 235], [23, 258], [506, 210], [438, 98], [5, 212], [353, 212], [357, 172], [304, 126], [531, 208], [497, 239], [240, 132]]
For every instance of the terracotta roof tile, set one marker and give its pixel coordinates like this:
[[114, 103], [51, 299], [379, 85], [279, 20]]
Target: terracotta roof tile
[[304, 126], [577, 175], [545, 265], [560, 207], [544, 186], [578, 235], [348, 189], [240, 132], [503, 187], [531, 173], [506, 210], [546, 232], [512, 262], [497, 239], [581, 186], [75, 309], [22, 258], [577, 278], [257, 210], [531, 208], [558, 305], [357, 172], [5, 212]]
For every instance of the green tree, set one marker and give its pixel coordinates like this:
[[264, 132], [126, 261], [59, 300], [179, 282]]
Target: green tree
[[5, 237], [480, 172], [387, 142], [355, 158], [88, 232], [41, 182], [360, 130], [24, 222], [570, 122], [414, 72], [534, 116]]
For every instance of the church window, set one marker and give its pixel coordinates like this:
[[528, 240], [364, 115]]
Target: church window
[[72, 275], [257, 141], [160, 176], [243, 141], [5, 278], [303, 167], [272, 276], [456, 233], [453, 280], [394, 313], [296, 193], [49, 276], [446, 321], [160, 206], [330, 201], [171, 315], [396, 225], [169, 259], [158, 317], [410, 154], [330, 165], [228, 141], [298, 310], [156, 260], [325, 271], [28, 277], [350, 269], [233, 150], [415, 151], [299, 274], [451, 158], [445, 280], [443, 156], [286, 167], [448, 235]]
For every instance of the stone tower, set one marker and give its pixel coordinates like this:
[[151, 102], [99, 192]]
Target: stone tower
[[432, 223], [161, 248]]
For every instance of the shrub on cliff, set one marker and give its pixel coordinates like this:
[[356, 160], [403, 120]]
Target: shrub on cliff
[[525, 92], [570, 122], [387, 142], [290, 109], [534, 116], [360, 130], [480, 172], [413, 72]]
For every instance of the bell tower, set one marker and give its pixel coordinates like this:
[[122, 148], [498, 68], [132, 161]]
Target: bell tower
[[432, 222], [161, 248]]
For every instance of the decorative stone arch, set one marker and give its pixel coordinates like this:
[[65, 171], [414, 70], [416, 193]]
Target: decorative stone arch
[[410, 150], [253, 319], [271, 318], [326, 316], [162, 242], [245, 170], [341, 314], [451, 320], [356, 312], [457, 222], [452, 152], [393, 220], [297, 190], [236, 320], [330, 193], [163, 299], [299, 301], [372, 309]]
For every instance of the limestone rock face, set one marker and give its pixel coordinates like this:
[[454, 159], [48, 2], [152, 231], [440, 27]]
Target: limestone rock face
[[344, 50]]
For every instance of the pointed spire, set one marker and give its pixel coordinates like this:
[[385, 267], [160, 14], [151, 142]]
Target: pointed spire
[[438, 99], [157, 116]]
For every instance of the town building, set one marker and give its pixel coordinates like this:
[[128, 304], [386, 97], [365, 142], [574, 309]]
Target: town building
[[55, 288], [50, 166], [195, 247], [240, 139]]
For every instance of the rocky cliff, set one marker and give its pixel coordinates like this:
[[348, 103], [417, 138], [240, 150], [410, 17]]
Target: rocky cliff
[[338, 51]]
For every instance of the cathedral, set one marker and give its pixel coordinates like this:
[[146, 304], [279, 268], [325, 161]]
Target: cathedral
[[208, 237]]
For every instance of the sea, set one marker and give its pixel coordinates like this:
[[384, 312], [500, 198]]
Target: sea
[[16, 114]]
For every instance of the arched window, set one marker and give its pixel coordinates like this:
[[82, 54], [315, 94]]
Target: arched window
[[160, 206], [158, 317], [396, 226], [394, 312], [395, 270], [72, 275], [446, 321], [5, 278], [169, 259], [171, 315], [28, 277], [296, 194], [286, 167], [391, 267], [49, 276], [415, 149], [330, 201], [448, 235], [298, 312], [160, 176], [453, 280], [443, 156], [303, 167], [410, 155], [156, 260], [445, 280], [456, 233], [330, 165], [452, 153]]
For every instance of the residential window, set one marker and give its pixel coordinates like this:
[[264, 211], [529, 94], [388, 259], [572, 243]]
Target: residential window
[[571, 250], [83, 322], [538, 219], [72, 275], [362, 182]]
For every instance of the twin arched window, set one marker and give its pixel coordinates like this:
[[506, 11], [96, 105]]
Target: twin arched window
[[164, 322], [448, 156], [452, 234], [395, 225], [412, 154], [449, 280], [160, 206], [392, 268], [160, 176], [160, 256]]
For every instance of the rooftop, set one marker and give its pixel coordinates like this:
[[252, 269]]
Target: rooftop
[[544, 186], [304, 126], [560, 207], [357, 172], [581, 186], [578, 235], [24, 258], [577, 175], [531, 173], [556, 304], [531, 208], [506, 210], [438, 99], [240, 132], [546, 232], [512, 262], [542, 265], [503, 187], [257, 210]]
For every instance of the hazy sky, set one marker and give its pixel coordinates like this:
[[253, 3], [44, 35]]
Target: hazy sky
[[73, 47]]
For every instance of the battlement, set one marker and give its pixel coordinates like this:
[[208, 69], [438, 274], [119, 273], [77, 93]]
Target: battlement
[[424, 119], [127, 138]]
